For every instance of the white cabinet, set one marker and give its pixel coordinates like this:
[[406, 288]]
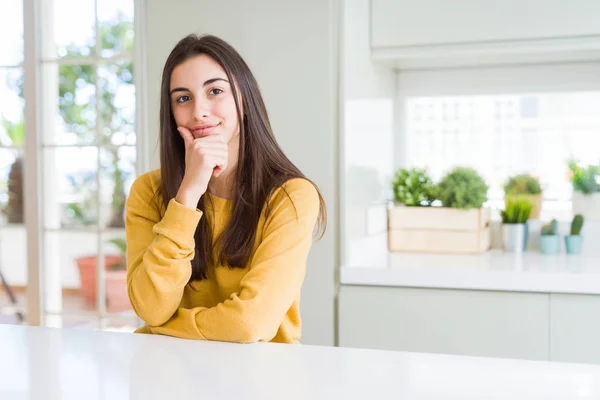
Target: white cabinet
[[441, 22], [476, 323], [440, 33], [575, 328], [533, 326]]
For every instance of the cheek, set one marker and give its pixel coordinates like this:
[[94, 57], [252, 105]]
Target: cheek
[[229, 112], [179, 115]]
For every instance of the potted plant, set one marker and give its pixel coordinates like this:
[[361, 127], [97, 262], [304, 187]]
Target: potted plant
[[15, 208], [574, 241], [526, 187], [116, 271], [462, 188], [514, 218], [549, 238], [413, 187], [586, 190], [461, 225], [116, 280]]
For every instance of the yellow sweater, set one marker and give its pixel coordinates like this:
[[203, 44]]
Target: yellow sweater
[[256, 303]]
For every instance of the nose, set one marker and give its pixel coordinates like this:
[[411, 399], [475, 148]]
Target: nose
[[201, 109]]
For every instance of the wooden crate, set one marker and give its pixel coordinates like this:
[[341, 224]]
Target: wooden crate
[[438, 230]]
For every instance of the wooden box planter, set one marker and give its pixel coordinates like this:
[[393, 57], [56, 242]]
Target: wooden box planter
[[438, 230]]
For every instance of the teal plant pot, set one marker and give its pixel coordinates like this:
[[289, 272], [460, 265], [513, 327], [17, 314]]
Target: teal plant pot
[[574, 244], [549, 244]]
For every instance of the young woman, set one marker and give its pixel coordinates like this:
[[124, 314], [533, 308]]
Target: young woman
[[218, 237]]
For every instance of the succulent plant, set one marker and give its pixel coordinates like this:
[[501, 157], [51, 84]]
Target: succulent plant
[[550, 229], [576, 225], [516, 211]]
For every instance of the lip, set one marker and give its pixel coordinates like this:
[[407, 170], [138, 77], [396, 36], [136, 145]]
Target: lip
[[203, 130]]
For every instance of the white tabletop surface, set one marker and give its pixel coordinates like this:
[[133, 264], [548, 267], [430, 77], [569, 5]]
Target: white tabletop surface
[[370, 263], [51, 364]]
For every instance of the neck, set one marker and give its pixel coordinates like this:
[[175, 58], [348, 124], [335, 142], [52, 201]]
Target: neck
[[222, 186]]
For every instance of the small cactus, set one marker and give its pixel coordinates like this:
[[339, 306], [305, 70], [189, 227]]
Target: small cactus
[[576, 225], [550, 228]]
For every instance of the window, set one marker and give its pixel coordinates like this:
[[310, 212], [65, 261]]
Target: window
[[87, 150], [13, 247], [88, 155], [504, 135], [503, 121]]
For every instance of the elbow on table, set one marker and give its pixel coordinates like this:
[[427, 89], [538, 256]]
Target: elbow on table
[[252, 331], [152, 315]]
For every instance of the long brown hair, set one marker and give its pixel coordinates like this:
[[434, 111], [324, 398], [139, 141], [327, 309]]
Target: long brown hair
[[262, 166]]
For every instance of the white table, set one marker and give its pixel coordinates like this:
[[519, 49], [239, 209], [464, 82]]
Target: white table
[[50, 364]]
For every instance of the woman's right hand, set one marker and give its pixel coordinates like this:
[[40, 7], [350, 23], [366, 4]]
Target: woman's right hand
[[205, 157]]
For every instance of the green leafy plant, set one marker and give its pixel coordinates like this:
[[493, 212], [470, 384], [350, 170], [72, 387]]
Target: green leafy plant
[[462, 188], [413, 187], [15, 134], [585, 179], [522, 184], [576, 225], [79, 113], [516, 211], [550, 229]]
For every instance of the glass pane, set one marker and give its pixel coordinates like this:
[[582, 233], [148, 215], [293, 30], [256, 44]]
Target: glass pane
[[11, 187], [73, 28], [72, 118], [534, 133], [118, 173], [70, 187], [70, 272], [11, 21], [116, 27], [117, 107], [11, 107], [13, 264], [117, 299]]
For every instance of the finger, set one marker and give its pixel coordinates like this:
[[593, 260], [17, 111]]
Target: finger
[[220, 164], [214, 138], [186, 135], [210, 145]]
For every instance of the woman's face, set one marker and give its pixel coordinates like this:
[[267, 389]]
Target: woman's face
[[202, 99]]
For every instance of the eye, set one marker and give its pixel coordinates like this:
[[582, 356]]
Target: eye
[[215, 91], [183, 99]]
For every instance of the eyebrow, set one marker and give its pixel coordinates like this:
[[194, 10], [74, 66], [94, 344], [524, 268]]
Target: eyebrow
[[208, 82]]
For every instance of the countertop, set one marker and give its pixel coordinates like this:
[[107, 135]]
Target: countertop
[[370, 263]]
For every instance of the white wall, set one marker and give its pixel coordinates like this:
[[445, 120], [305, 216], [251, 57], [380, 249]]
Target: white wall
[[292, 49], [368, 93]]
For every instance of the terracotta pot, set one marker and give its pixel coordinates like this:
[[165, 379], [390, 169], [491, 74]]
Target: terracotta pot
[[87, 274], [116, 291]]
